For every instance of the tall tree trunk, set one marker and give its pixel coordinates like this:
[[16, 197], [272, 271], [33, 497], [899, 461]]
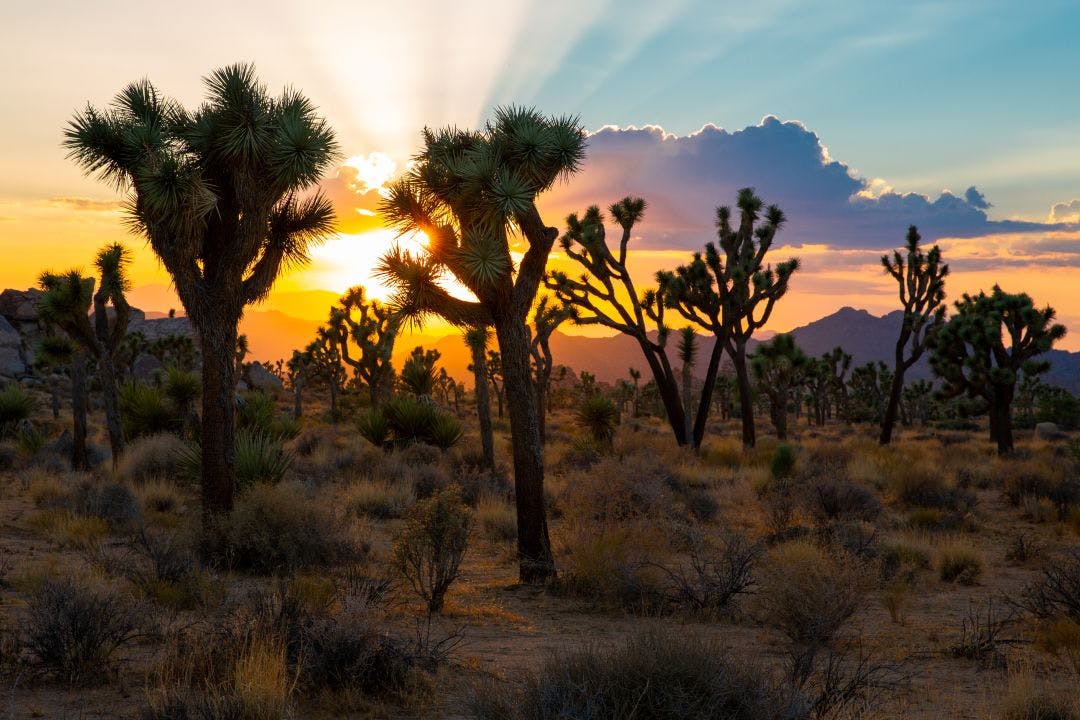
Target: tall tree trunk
[[218, 344], [688, 401], [1001, 419], [669, 394], [541, 405], [536, 563], [79, 459], [107, 378], [780, 414], [483, 405], [889, 421], [746, 397]]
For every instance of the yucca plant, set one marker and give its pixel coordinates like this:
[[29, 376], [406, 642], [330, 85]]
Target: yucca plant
[[599, 417], [16, 405], [374, 428], [471, 192], [409, 419], [259, 459], [144, 410], [221, 195], [445, 431]]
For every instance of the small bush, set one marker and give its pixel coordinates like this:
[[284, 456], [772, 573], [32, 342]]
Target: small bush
[[347, 652], [376, 499], [652, 676], [902, 560], [808, 594], [257, 413], [1028, 703], [497, 519], [599, 417], [831, 500], [112, 502], [782, 464], [716, 576], [152, 457], [960, 563], [72, 631], [276, 528], [16, 405], [145, 411], [1057, 592], [429, 549]]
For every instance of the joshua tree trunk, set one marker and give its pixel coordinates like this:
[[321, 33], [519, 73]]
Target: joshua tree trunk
[[1001, 420], [78, 413], [541, 407], [107, 378], [688, 400], [298, 399], [333, 402], [895, 391], [780, 413], [746, 398], [483, 404], [669, 392], [534, 546], [218, 343], [707, 393]]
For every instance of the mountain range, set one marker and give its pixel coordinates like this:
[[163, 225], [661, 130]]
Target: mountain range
[[868, 338]]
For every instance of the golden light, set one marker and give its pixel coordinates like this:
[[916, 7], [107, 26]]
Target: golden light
[[372, 171]]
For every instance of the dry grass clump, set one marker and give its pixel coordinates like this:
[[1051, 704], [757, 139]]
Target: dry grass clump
[[652, 676], [154, 457], [1026, 700], [378, 499], [809, 594], [960, 562], [282, 528], [497, 519]]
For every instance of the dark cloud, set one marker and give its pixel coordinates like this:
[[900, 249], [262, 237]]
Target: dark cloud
[[976, 199], [685, 178]]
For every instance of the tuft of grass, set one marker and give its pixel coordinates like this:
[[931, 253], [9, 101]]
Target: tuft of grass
[[378, 499], [961, 563], [497, 519], [69, 530]]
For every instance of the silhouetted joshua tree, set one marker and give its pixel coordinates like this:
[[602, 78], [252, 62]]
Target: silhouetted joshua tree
[[983, 348], [921, 277], [373, 330], [469, 192], [546, 318], [606, 295], [476, 339], [778, 366], [218, 193]]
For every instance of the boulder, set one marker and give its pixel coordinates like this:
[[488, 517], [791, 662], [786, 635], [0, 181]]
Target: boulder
[[9, 336], [145, 367], [1049, 431], [263, 379], [11, 363], [19, 305]]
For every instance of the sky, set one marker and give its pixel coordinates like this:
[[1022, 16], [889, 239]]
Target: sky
[[856, 118]]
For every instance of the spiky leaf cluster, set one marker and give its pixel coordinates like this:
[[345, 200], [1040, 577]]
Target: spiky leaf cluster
[[216, 191], [470, 192]]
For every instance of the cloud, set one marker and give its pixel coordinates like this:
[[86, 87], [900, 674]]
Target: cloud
[[86, 204], [1065, 212], [684, 178], [355, 200]]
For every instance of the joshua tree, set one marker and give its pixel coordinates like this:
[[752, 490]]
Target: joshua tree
[[218, 193], [54, 353], [818, 382], [869, 390], [917, 401], [606, 295], [778, 366], [373, 331], [546, 318], [921, 277], [469, 192], [321, 361], [731, 292], [688, 357], [66, 302], [635, 378], [982, 350], [476, 339], [296, 367], [838, 363], [418, 372]]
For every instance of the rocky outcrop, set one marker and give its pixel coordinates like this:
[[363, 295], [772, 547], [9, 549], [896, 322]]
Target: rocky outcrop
[[259, 378]]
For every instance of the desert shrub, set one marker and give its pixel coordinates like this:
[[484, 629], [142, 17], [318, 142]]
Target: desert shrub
[[830, 500], [159, 497], [1029, 703], [582, 453], [16, 405], [809, 594], [378, 499], [651, 676], [853, 537], [260, 459], [919, 484], [420, 454], [429, 549], [163, 566], [8, 455], [72, 631], [497, 519], [598, 416], [700, 503], [1057, 592], [716, 576], [112, 502], [145, 410], [960, 563], [374, 427], [151, 457], [347, 652], [256, 411], [276, 528], [782, 464], [903, 560]]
